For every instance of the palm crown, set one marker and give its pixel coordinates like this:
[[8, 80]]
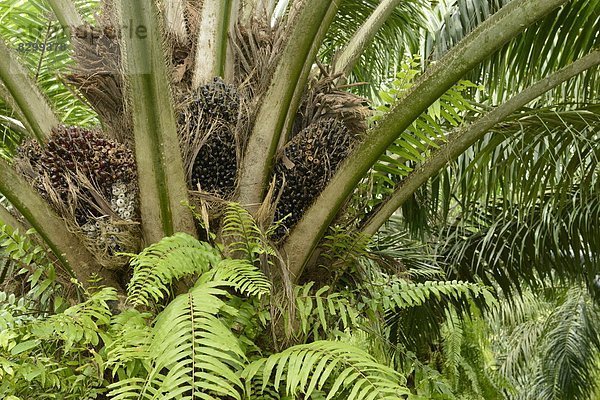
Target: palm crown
[[485, 140]]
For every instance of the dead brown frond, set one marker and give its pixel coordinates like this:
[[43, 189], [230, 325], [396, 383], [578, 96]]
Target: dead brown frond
[[257, 47], [97, 76], [324, 99]]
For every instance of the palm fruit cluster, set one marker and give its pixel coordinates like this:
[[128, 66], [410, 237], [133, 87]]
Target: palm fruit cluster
[[74, 155], [214, 114], [305, 166]]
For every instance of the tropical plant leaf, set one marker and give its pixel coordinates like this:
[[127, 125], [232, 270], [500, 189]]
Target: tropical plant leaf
[[341, 369], [160, 264], [191, 351]]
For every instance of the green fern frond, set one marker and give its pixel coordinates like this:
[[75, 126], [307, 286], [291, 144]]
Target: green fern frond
[[245, 277], [452, 336], [240, 232], [402, 294], [191, 351], [342, 370], [130, 335], [344, 246], [157, 266]]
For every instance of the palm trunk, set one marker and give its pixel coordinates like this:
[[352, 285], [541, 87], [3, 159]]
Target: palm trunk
[[480, 44], [160, 167], [463, 138]]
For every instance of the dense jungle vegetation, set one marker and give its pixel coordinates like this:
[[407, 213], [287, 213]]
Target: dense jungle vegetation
[[299, 199]]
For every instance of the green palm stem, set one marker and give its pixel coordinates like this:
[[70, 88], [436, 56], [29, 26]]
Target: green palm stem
[[213, 54], [506, 24], [161, 174], [67, 14], [345, 61], [39, 119], [460, 140], [262, 144], [67, 247], [305, 75]]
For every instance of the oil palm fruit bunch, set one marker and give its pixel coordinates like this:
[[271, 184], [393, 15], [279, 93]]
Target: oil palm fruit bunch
[[85, 174], [213, 116], [305, 166]]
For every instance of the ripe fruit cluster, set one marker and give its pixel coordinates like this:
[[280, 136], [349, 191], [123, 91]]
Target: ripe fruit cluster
[[214, 114], [72, 153], [308, 162]]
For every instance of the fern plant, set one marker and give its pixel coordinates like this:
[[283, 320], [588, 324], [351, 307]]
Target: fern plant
[[160, 264], [345, 371], [208, 342], [194, 346]]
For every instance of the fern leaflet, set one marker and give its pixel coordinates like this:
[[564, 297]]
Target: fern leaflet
[[160, 264], [191, 351]]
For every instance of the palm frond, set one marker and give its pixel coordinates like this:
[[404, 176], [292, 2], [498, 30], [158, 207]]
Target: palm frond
[[398, 37], [571, 351], [561, 37], [451, 20], [547, 343], [523, 206]]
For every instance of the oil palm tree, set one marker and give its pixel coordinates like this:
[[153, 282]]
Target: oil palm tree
[[149, 68], [257, 103]]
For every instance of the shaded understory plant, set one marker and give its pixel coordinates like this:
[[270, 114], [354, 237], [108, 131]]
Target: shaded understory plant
[[206, 343]]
